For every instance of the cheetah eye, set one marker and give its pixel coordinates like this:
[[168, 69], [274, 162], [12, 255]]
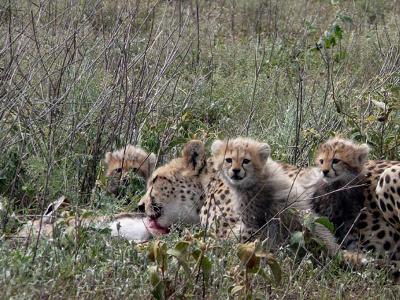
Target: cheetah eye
[[228, 160], [246, 161], [335, 161], [321, 161]]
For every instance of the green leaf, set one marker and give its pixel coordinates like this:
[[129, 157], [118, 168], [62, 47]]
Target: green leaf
[[337, 31], [325, 222], [330, 41], [174, 252], [158, 285], [196, 254], [180, 253], [182, 246], [275, 268], [179, 250], [157, 252], [206, 266], [246, 254]]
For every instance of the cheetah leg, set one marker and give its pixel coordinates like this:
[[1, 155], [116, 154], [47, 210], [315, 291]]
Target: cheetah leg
[[354, 258]]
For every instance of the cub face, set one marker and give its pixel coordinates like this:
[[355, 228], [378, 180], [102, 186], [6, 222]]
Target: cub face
[[174, 191], [124, 160], [240, 160], [338, 158]]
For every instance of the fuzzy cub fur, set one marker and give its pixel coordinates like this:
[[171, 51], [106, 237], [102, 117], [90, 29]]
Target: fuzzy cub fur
[[128, 158], [267, 198], [341, 199]]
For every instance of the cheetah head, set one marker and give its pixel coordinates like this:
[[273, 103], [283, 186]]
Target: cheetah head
[[339, 158], [240, 160], [174, 191], [129, 158]]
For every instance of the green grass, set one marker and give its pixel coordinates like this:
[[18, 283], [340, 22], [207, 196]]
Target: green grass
[[81, 78], [93, 265]]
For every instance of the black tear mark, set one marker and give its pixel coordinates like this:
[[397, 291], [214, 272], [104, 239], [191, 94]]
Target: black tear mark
[[155, 178], [157, 208], [193, 160], [204, 163]]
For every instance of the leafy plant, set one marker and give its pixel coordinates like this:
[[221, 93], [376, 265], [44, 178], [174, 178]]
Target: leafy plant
[[251, 256], [190, 255]]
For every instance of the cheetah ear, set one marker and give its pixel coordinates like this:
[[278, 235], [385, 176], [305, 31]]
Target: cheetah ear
[[152, 163], [362, 153], [264, 151], [108, 158], [218, 146], [194, 154]]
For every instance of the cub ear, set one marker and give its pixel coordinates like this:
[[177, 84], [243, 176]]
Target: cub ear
[[152, 163], [218, 146], [108, 158], [362, 153], [194, 155], [264, 151]]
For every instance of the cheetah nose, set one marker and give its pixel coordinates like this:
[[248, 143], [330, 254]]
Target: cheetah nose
[[141, 208], [236, 171], [325, 172]]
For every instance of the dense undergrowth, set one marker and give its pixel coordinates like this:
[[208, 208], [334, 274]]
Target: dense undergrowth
[[79, 78]]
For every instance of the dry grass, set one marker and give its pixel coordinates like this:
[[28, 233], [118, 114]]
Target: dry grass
[[81, 77]]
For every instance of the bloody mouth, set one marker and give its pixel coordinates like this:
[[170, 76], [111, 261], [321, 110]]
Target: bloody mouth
[[157, 228]]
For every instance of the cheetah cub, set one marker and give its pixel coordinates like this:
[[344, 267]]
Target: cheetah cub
[[128, 158], [268, 200], [341, 200], [360, 198]]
